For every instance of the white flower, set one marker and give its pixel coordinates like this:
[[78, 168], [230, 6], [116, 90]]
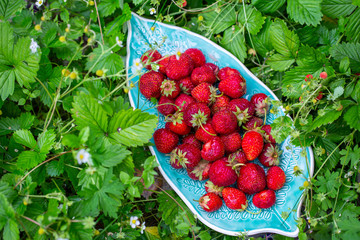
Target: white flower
[[62, 239], [142, 228], [33, 46], [118, 42], [39, 3], [134, 222], [177, 53], [83, 157], [152, 11], [137, 65]]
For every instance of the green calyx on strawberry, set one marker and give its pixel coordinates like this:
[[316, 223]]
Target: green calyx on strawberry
[[170, 88], [186, 155], [210, 202], [242, 116], [234, 199], [196, 114], [270, 156], [211, 187], [204, 93], [176, 123]]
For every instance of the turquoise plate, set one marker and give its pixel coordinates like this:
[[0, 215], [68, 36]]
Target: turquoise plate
[[141, 33]]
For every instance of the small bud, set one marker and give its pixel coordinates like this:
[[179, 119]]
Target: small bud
[[37, 27], [65, 72], [100, 73], [252, 51], [42, 18], [41, 231], [296, 168], [62, 39], [200, 18], [73, 75], [126, 90], [306, 184], [67, 30], [91, 3]]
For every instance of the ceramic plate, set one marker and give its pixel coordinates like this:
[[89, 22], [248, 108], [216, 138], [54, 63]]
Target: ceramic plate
[[143, 32]]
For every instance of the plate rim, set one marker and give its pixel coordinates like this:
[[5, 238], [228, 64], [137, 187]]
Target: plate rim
[[292, 234]]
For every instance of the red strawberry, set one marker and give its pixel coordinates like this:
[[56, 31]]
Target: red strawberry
[[204, 93], [202, 133], [213, 149], [232, 142], [170, 88], [186, 85], [264, 199], [212, 67], [166, 106], [234, 87], [252, 144], [320, 96], [234, 199], [253, 123], [180, 67], [165, 140], [262, 104], [150, 83], [210, 187], [163, 63], [177, 125], [192, 140], [196, 114], [242, 109], [323, 75], [224, 122], [149, 57], [197, 56], [222, 174], [251, 178], [267, 134], [201, 171], [210, 202], [183, 100], [270, 155], [186, 154], [237, 157], [227, 72], [221, 103], [308, 77], [275, 178], [203, 74]]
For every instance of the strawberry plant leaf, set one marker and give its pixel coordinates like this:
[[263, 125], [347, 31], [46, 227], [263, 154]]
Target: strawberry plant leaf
[[262, 43], [104, 60], [352, 29], [268, 6], [350, 50], [46, 140], [77, 231], [110, 155], [356, 2], [233, 41], [132, 128], [329, 117], [29, 159], [352, 117], [350, 227], [350, 155], [329, 147], [310, 57], [305, 11], [337, 8], [283, 40], [11, 230], [55, 168], [113, 27], [25, 137], [108, 7], [251, 19], [8, 125], [66, 51], [219, 20], [9, 7], [280, 62], [149, 173]]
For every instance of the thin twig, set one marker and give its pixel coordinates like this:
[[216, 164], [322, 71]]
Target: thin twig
[[98, 17]]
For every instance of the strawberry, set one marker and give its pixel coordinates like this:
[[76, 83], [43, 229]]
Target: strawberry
[[150, 83], [203, 74], [177, 125], [267, 134], [192, 140], [204, 93], [165, 140], [264, 199], [224, 122], [232, 142], [227, 72], [200, 172], [262, 104], [237, 157], [163, 63], [196, 114], [166, 106], [186, 85], [234, 199], [170, 88], [233, 87], [242, 109], [210, 202], [205, 133], [197, 56], [320, 95], [270, 155], [179, 68], [252, 144], [186, 154], [222, 174], [176, 164], [212, 67], [210, 187], [183, 100], [323, 75], [213, 149], [308, 77], [275, 178], [221, 103], [251, 178], [253, 123], [149, 57]]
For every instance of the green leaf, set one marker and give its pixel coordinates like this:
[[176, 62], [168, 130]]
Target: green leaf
[[350, 50], [251, 19], [11, 230], [329, 117], [104, 60], [350, 155], [337, 8], [9, 7], [328, 182], [55, 168], [283, 40], [29, 159], [234, 42], [356, 2], [71, 140], [350, 228], [77, 231], [108, 7], [8, 125], [7, 191], [308, 35], [329, 147], [352, 29], [149, 173], [25, 138], [344, 65], [112, 28], [268, 6], [88, 112], [279, 62], [352, 117], [305, 11], [310, 57], [261, 41], [219, 20], [110, 155], [132, 128], [67, 51], [64, 15], [46, 140]]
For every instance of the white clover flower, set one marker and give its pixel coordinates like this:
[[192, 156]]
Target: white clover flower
[[152, 11], [142, 227], [39, 3], [118, 42], [178, 53], [134, 221], [83, 157], [33, 46]]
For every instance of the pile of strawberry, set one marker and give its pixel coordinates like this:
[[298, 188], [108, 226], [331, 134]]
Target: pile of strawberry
[[220, 132]]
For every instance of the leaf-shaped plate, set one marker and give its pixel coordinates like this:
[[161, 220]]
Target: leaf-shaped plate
[[143, 33]]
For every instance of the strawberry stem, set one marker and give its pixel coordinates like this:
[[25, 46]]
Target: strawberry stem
[[253, 212], [206, 130]]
